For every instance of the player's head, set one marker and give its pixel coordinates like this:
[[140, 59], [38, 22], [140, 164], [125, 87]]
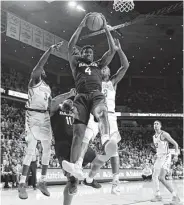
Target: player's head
[[67, 106], [157, 125], [87, 53], [106, 72]]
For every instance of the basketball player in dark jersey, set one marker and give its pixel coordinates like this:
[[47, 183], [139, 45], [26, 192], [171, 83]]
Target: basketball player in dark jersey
[[62, 126], [89, 99]]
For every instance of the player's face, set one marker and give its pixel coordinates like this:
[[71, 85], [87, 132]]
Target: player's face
[[87, 54], [157, 125], [106, 72]]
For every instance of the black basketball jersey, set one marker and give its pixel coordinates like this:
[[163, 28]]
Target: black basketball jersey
[[88, 77], [62, 126]]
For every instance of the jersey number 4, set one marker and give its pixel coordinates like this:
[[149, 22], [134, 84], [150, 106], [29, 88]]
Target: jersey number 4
[[88, 70]]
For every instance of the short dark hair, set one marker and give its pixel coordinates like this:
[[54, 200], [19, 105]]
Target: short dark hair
[[86, 47], [158, 121]]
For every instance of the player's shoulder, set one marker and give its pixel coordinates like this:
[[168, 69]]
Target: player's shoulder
[[165, 133]]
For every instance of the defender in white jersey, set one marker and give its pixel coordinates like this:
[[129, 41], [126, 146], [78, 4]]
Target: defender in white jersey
[[109, 86], [161, 140], [37, 123]]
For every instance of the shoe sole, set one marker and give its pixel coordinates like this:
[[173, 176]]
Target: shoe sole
[[90, 185], [43, 192], [68, 169]]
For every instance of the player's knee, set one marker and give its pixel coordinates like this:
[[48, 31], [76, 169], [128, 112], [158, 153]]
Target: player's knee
[[116, 154], [100, 112], [116, 136], [46, 151], [161, 178], [110, 148], [88, 135]]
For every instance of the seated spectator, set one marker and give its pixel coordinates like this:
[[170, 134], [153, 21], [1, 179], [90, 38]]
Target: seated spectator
[[147, 172]]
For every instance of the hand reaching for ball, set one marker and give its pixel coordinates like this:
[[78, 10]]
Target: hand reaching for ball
[[117, 44]]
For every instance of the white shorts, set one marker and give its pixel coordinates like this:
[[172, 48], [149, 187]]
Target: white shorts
[[38, 126], [163, 161], [93, 128]]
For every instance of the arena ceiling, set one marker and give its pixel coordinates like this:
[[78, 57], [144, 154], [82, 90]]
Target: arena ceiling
[[153, 46]]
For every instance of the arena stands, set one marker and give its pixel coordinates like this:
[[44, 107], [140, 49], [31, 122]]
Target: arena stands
[[135, 147]]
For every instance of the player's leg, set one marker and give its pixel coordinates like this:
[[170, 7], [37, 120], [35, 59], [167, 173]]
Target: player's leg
[[62, 150], [81, 113], [46, 145], [89, 157], [115, 158], [156, 182], [73, 167], [32, 142], [167, 183], [90, 133]]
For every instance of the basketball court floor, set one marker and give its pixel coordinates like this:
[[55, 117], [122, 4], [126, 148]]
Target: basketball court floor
[[138, 193]]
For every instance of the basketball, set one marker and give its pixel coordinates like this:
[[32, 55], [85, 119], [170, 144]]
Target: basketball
[[94, 22]]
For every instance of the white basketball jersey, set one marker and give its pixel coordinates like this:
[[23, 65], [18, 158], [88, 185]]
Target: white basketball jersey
[[110, 95], [38, 96], [162, 146]]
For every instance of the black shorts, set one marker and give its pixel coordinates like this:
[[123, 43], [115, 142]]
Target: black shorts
[[86, 103], [62, 150]]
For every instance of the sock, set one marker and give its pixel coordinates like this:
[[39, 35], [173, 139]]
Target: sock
[[23, 179], [115, 177], [173, 193], [158, 193], [80, 161], [43, 178], [89, 180]]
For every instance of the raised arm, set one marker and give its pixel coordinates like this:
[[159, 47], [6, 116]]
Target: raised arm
[[38, 69], [72, 43], [116, 78], [59, 99], [108, 56]]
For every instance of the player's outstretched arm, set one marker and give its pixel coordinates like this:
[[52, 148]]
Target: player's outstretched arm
[[37, 71], [116, 78], [72, 43], [172, 141], [108, 56], [60, 99]]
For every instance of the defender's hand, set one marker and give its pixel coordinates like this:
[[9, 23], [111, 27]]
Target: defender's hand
[[56, 46], [117, 44]]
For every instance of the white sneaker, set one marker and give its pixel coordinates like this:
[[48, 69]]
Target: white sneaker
[[175, 201], [74, 169], [115, 188], [156, 199]]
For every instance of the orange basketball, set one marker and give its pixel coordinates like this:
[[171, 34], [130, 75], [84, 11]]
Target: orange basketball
[[94, 22]]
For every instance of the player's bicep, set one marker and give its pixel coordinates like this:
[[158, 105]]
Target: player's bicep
[[37, 71], [116, 78], [106, 59]]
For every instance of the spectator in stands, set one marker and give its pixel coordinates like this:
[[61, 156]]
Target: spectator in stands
[[6, 173], [147, 172]]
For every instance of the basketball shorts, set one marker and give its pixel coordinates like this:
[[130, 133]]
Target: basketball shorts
[[38, 126], [63, 148], [84, 104], [93, 127], [163, 161]]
